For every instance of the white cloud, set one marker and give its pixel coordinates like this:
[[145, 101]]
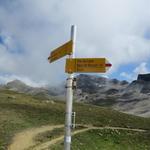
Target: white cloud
[[127, 76], [141, 69], [112, 29]]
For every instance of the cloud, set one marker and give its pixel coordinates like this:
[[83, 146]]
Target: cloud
[[112, 29], [127, 76], [141, 69]]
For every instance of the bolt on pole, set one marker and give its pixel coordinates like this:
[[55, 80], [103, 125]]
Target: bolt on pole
[[69, 97]]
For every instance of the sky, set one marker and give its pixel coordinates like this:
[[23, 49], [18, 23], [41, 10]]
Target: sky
[[118, 30]]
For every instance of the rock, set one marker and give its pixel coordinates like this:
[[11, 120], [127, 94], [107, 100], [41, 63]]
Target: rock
[[144, 77], [112, 91], [124, 82]]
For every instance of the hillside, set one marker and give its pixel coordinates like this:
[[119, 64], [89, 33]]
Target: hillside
[[19, 111]]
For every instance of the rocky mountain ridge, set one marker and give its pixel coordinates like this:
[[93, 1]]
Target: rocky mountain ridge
[[131, 97], [128, 97]]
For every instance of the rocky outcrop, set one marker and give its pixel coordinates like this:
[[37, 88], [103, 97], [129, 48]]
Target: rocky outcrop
[[144, 77], [141, 85]]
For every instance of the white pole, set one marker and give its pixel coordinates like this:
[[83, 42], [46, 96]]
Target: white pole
[[69, 96]]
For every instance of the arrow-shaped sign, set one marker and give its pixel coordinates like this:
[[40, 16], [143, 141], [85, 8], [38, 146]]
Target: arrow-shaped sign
[[61, 51], [87, 65]]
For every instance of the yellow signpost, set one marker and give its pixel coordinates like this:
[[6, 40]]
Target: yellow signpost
[[73, 65], [61, 51], [87, 65]]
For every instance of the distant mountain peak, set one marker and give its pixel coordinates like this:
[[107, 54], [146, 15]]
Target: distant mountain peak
[[17, 85], [15, 81]]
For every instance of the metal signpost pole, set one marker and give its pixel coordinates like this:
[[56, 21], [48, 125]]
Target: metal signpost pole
[[74, 65], [69, 96]]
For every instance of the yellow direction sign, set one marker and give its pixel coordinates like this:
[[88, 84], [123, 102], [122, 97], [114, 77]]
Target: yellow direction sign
[[61, 51], [87, 65]]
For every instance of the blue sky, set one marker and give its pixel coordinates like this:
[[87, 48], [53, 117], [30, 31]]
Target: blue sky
[[118, 30], [130, 71]]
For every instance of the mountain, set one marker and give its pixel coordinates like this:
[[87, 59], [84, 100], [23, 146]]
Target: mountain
[[18, 85], [99, 90], [131, 97], [42, 92]]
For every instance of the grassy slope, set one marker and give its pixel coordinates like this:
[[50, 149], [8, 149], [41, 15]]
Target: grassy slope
[[20, 111], [109, 140]]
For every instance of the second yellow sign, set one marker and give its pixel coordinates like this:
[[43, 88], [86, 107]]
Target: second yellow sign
[[87, 65]]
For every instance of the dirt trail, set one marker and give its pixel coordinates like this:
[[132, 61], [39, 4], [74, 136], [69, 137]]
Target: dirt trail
[[46, 145], [24, 140]]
